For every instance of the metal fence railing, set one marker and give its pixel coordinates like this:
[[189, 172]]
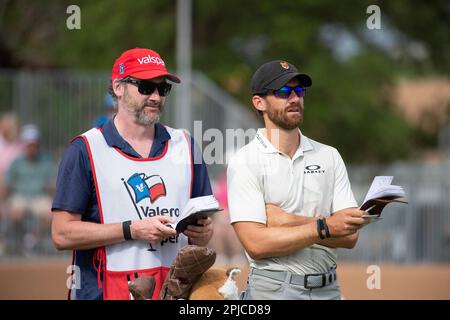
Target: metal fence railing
[[416, 232], [66, 103]]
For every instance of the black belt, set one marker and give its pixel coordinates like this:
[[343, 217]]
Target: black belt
[[309, 281]]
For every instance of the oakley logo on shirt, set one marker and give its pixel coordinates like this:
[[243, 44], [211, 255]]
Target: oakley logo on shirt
[[313, 168]]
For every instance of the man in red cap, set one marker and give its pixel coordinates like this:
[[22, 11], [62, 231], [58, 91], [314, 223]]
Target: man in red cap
[[120, 187]]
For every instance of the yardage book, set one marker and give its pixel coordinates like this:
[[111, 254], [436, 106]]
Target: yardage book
[[195, 209], [380, 193]]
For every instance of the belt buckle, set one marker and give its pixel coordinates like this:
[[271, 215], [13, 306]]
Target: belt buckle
[[305, 282], [322, 275], [324, 281]]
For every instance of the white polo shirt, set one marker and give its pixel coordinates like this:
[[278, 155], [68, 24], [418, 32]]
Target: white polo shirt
[[313, 183]]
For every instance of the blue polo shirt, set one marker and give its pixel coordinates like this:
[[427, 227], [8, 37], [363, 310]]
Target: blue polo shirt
[[75, 191]]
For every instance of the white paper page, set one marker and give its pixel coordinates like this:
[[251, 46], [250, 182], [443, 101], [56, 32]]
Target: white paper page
[[199, 203], [195, 205], [379, 182]]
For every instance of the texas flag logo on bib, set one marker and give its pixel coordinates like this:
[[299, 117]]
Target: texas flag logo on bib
[[151, 187]]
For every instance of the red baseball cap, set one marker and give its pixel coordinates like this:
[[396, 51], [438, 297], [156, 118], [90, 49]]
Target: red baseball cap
[[141, 63]]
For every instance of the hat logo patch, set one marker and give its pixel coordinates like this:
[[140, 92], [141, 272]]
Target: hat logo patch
[[284, 64], [121, 68], [150, 59]]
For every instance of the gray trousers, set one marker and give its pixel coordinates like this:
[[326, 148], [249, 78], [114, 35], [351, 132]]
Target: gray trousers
[[263, 288]]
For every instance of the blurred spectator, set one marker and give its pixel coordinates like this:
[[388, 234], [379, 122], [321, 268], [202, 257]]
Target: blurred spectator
[[10, 146], [228, 248], [109, 110], [28, 183]]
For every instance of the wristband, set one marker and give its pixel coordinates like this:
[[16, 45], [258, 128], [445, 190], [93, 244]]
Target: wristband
[[126, 230], [327, 231], [320, 227]]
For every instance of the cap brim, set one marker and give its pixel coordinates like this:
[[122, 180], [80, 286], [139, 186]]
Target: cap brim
[[145, 75], [304, 80]]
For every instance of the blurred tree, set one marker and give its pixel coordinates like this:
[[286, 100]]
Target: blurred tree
[[352, 67]]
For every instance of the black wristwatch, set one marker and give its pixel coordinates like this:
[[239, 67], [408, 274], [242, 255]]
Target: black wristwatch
[[327, 231]]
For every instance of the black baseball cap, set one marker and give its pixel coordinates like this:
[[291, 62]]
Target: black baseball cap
[[275, 74]]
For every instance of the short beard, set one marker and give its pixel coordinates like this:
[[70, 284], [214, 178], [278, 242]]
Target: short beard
[[280, 118], [138, 112]]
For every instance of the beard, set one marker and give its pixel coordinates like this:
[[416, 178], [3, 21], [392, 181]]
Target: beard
[[138, 111], [282, 119]]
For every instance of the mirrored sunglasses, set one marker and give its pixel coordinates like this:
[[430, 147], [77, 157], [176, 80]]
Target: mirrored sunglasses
[[285, 92]]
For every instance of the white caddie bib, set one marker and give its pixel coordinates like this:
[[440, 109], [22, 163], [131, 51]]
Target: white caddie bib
[[136, 188]]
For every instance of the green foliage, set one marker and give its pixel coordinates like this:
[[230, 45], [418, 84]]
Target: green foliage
[[113, 26]]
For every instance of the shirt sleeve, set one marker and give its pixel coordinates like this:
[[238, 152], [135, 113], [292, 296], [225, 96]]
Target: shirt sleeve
[[245, 197], [74, 184], [201, 185], [343, 196]]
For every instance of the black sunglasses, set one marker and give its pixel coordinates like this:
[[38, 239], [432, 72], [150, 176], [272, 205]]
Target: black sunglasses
[[147, 87]]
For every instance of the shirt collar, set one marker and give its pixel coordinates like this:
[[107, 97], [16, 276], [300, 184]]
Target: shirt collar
[[267, 147], [114, 139]]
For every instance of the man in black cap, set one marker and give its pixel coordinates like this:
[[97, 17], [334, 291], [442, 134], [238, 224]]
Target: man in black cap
[[289, 197]]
